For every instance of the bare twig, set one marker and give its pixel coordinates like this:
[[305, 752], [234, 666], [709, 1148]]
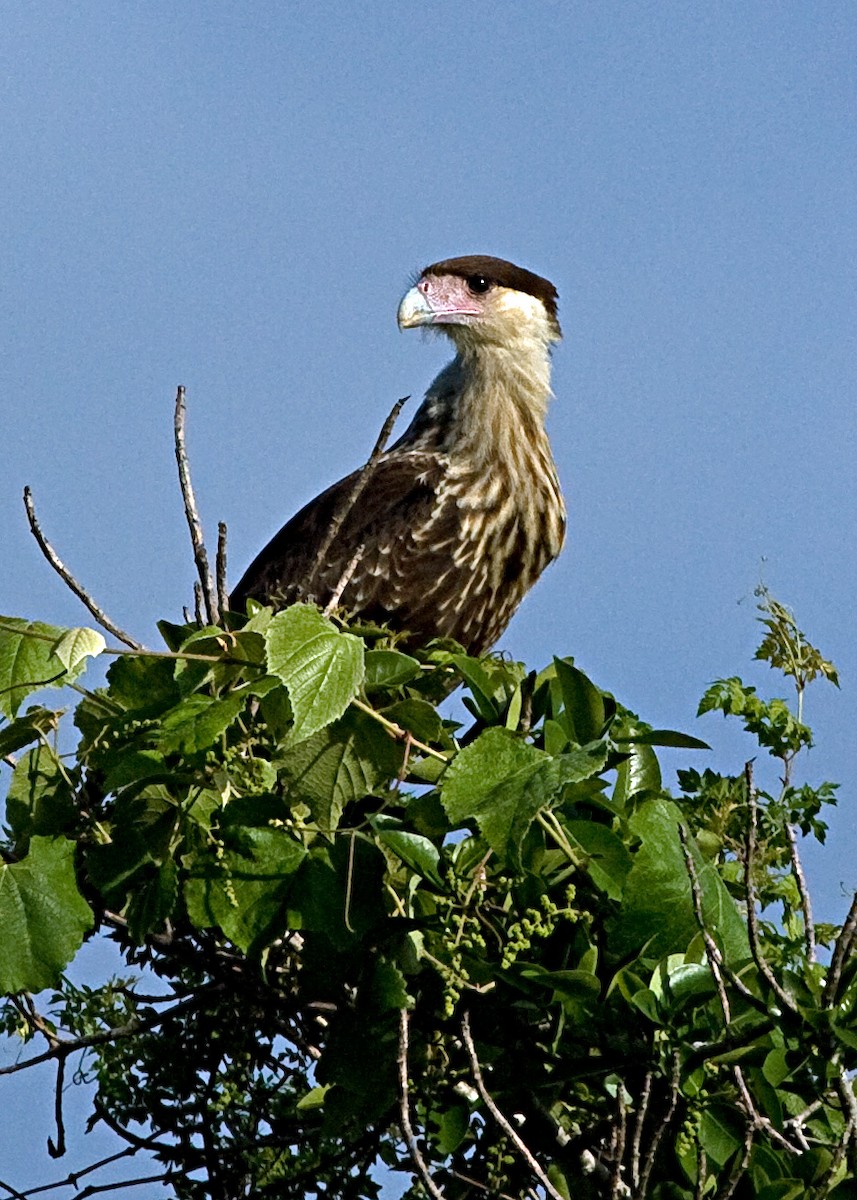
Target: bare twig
[[220, 568], [509, 1129], [57, 1149], [62, 1047], [803, 890], [636, 1142], [620, 1127], [712, 950], [701, 1173], [750, 895], [13, 1192], [657, 1136], [841, 950], [405, 1112], [72, 1178], [344, 579], [363, 476], [197, 603], [200, 554], [65, 574]]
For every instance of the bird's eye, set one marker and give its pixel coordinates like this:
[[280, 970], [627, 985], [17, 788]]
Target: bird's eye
[[478, 284]]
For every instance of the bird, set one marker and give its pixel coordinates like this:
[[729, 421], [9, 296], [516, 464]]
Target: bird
[[459, 517]]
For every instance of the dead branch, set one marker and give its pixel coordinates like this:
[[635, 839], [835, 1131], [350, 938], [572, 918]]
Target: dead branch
[[636, 1141], [344, 579], [841, 950], [405, 1112], [57, 1149], [712, 950], [200, 554], [363, 476], [750, 894], [803, 891], [509, 1129], [65, 574], [220, 568], [675, 1089], [620, 1128]]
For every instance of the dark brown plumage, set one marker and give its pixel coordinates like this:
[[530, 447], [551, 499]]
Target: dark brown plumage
[[459, 518]]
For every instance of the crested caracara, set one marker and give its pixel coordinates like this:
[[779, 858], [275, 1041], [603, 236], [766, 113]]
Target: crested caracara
[[461, 515]]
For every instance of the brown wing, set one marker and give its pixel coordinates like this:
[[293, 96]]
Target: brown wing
[[399, 497]]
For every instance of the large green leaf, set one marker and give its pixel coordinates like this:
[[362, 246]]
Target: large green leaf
[[245, 890], [657, 904], [605, 856], [43, 917], [29, 659], [197, 722], [340, 764], [502, 783], [40, 799], [321, 666]]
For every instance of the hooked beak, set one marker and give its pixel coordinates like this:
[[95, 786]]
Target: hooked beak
[[415, 310]]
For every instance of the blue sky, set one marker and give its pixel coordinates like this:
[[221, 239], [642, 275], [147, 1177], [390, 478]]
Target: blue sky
[[234, 197]]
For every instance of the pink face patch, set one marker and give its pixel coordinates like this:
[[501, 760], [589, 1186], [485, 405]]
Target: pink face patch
[[450, 299]]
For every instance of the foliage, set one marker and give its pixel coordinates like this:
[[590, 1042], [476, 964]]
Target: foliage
[[497, 956]]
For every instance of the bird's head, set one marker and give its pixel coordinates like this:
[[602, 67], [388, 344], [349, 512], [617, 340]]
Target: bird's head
[[479, 300]]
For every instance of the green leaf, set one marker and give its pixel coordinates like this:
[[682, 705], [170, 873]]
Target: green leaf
[[583, 704], [657, 905], [244, 892], [143, 684], [575, 985], [415, 851], [389, 669], [196, 723], [43, 917], [40, 799], [313, 1099], [417, 716], [720, 1135], [321, 666], [663, 737], [77, 644], [28, 661], [35, 723], [636, 774], [607, 860], [153, 901], [340, 764], [502, 782]]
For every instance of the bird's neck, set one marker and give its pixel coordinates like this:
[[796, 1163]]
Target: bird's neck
[[500, 393]]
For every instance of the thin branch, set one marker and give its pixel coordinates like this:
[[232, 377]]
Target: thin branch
[[344, 580], [72, 1178], [495, 1112], [841, 950], [96, 1189], [363, 476], [675, 1090], [220, 568], [750, 895], [65, 574], [200, 554], [803, 890], [620, 1128], [712, 950], [62, 1047], [405, 1112], [637, 1139], [57, 1149], [13, 1192]]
